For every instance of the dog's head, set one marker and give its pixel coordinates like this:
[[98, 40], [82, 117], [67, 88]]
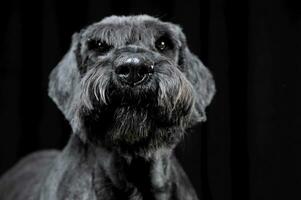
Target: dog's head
[[131, 83]]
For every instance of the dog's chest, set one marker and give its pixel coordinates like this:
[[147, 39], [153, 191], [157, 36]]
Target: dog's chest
[[134, 185]]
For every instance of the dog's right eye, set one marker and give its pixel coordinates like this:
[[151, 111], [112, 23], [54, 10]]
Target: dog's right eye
[[163, 43], [99, 46]]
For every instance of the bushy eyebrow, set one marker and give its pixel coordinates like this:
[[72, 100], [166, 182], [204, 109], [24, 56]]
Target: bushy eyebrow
[[163, 29], [109, 33], [119, 34]]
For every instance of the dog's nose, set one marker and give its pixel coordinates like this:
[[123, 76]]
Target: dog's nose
[[133, 71]]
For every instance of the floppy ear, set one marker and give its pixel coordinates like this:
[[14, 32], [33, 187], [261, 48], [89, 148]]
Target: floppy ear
[[64, 79], [198, 75], [200, 78]]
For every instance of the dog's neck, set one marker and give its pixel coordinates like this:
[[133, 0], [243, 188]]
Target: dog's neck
[[146, 176]]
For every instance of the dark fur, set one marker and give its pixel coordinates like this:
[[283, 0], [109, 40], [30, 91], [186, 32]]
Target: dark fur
[[123, 136]]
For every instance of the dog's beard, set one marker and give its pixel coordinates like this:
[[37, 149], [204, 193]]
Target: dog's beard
[[149, 116]]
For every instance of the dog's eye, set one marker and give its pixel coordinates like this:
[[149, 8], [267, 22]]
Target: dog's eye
[[163, 43], [98, 46]]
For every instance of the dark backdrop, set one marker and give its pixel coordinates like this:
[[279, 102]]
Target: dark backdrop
[[251, 144]]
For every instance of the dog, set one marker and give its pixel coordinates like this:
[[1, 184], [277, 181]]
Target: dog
[[130, 88]]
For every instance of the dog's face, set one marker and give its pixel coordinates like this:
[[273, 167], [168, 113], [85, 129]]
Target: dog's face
[[131, 84]]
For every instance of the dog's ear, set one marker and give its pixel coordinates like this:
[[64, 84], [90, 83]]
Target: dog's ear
[[199, 76], [202, 81], [64, 79]]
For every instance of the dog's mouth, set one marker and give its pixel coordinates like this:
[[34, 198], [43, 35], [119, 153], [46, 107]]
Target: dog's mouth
[[119, 96], [132, 116], [136, 95], [153, 111]]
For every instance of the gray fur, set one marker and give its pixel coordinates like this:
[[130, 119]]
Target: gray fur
[[123, 136]]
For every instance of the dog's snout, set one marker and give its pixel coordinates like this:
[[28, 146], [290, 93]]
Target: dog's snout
[[134, 71]]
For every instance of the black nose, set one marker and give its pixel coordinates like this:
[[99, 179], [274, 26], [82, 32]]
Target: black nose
[[134, 73]]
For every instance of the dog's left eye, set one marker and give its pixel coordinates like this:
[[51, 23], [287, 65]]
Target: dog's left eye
[[98, 46], [163, 43]]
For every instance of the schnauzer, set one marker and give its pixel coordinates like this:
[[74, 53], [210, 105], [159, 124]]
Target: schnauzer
[[130, 88]]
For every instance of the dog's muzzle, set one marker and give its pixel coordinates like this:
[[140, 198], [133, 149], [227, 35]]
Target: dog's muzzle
[[134, 70]]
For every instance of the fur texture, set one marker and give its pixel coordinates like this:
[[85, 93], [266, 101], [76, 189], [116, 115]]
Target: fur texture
[[124, 133]]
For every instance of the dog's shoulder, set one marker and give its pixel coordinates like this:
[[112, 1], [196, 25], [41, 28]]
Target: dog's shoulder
[[70, 176], [25, 177]]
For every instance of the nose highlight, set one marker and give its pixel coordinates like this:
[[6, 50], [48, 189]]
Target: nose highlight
[[133, 71]]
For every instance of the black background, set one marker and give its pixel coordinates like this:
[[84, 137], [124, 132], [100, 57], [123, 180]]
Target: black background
[[251, 144]]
